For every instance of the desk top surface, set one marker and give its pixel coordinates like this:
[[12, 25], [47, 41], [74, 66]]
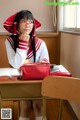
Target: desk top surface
[[57, 70], [8, 80]]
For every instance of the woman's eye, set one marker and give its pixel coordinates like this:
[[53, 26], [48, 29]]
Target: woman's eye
[[23, 21], [30, 21]]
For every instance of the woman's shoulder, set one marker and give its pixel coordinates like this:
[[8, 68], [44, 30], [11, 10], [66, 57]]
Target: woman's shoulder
[[10, 38], [38, 40], [10, 41], [40, 44]]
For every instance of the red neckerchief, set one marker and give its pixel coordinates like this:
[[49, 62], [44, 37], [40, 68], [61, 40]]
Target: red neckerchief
[[38, 44]]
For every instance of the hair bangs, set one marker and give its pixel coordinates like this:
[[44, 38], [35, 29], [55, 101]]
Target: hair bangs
[[27, 15], [24, 14]]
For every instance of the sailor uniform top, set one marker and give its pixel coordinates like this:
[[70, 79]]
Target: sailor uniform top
[[23, 52]]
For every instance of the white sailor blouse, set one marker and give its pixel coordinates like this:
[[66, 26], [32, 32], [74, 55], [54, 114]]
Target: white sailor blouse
[[23, 52]]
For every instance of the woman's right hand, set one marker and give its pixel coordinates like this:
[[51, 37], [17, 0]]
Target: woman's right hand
[[24, 36]]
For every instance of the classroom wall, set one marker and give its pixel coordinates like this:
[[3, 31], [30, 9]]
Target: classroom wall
[[40, 10], [70, 58]]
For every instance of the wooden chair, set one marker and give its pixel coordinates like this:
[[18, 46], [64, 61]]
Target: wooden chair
[[60, 87]]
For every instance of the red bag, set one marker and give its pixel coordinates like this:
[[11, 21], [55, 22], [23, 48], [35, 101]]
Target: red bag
[[35, 71]]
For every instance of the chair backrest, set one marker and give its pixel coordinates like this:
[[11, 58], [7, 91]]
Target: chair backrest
[[67, 88]]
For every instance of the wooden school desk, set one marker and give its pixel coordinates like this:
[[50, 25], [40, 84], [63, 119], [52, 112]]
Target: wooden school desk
[[12, 89]]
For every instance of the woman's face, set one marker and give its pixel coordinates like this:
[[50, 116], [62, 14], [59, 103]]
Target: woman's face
[[25, 26]]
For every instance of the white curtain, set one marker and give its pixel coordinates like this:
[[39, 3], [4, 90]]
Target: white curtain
[[54, 17]]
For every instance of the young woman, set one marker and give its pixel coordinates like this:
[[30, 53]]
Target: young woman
[[21, 46]]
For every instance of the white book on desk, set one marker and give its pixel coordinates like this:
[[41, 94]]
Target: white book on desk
[[9, 72], [59, 70]]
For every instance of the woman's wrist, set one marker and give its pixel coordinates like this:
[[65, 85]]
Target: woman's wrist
[[22, 44]]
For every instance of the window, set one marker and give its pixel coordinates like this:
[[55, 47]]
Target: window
[[78, 15], [71, 15]]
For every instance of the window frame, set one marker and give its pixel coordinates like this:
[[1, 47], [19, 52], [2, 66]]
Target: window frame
[[69, 29]]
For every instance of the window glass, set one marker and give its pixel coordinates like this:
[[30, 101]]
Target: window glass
[[71, 14]]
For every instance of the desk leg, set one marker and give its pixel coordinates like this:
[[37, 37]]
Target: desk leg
[[60, 109], [18, 108], [0, 105], [44, 108], [13, 109]]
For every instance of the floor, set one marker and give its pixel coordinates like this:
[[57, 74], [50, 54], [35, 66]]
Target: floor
[[52, 110]]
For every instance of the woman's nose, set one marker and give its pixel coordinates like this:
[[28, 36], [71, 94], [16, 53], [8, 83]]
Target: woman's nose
[[27, 23]]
